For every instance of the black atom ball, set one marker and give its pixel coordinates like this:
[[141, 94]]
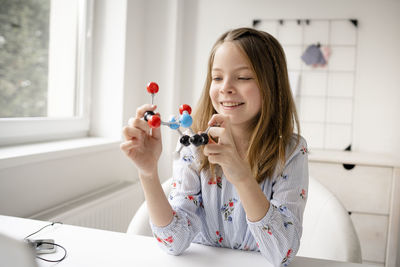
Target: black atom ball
[[185, 140]]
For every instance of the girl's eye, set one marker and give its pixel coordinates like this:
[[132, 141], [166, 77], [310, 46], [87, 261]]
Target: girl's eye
[[245, 78], [216, 78]]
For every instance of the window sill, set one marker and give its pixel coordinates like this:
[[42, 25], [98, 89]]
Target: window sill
[[13, 156]]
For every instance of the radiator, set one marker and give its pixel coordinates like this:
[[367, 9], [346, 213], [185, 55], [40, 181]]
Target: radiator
[[110, 208]]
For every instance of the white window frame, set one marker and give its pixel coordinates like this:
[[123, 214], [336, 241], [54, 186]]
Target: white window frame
[[15, 131]]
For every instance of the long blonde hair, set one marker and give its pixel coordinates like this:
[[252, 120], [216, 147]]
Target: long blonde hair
[[273, 127]]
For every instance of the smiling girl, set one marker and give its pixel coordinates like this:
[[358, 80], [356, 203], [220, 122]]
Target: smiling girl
[[248, 190]]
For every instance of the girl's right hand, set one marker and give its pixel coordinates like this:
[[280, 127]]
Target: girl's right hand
[[142, 147]]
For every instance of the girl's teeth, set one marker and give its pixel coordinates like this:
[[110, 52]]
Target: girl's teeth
[[230, 104]]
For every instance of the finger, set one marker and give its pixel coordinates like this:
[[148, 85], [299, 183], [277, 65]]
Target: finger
[[217, 131], [219, 135], [212, 149], [141, 125], [144, 126], [142, 109], [156, 133], [132, 132], [215, 159], [130, 145], [220, 120], [127, 146]]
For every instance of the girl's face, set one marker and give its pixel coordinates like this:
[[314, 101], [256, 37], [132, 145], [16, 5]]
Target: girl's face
[[234, 91]]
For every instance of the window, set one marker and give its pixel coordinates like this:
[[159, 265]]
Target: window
[[44, 70]]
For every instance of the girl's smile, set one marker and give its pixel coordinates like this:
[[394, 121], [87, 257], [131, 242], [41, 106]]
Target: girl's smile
[[231, 105]]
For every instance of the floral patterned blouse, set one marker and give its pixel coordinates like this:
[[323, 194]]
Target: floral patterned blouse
[[207, 209]]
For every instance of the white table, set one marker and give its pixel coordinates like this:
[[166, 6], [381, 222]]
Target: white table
[[93, 247]]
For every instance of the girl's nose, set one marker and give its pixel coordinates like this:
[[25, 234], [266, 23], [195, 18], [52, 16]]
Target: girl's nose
[[227, 87]]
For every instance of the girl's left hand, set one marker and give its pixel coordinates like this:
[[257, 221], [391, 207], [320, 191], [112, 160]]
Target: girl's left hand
[[225, 152]]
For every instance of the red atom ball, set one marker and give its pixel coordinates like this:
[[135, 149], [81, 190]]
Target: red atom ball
[[184, 107], [152, 87], [154, 121]]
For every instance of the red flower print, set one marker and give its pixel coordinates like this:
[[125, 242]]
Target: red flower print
[[219, 238], [175, 214], [195, 201], [228, 208], [166, 242], [267, 229], [304, 150], [285, 259], [218, 181], [169, 239], [303, 193], [175, 183]]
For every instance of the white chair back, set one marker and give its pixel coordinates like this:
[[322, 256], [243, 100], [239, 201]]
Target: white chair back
[[328, 232], [139, 224]]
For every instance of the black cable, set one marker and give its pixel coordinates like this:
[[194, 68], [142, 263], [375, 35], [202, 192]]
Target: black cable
[[51, 224], [57, 245], [48, 243]]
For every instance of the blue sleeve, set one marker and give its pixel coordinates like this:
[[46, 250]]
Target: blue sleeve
[[186, 202], [278, 233]]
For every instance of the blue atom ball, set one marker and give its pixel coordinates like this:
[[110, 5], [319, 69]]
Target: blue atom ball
[[186, 120], [175, 125]]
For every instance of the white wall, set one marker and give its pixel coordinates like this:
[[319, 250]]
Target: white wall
[[377, 96]]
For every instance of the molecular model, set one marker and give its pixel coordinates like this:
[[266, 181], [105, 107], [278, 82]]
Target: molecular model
[[175, 122]]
